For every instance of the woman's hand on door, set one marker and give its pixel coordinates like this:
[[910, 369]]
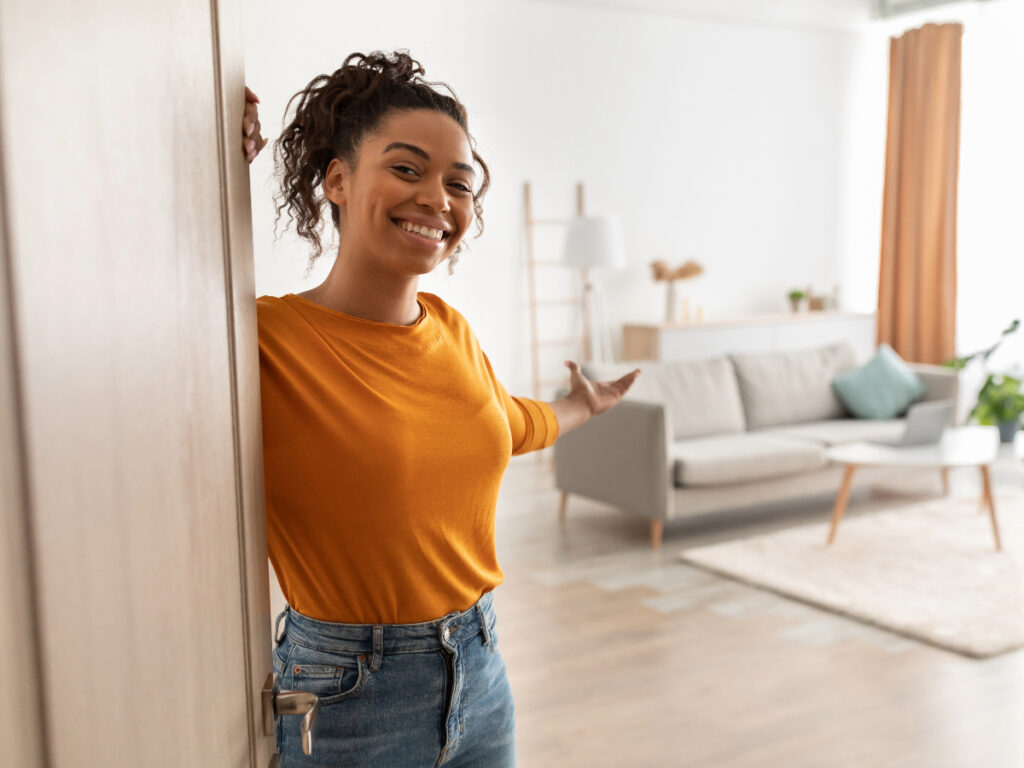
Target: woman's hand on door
[[252, 142]]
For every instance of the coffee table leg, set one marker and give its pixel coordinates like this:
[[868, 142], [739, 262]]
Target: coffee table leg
[[945, 481], [841, 500], [986, 484]]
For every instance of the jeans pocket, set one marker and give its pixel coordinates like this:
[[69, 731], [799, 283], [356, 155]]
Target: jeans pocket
[[333, 677], [492, 631], [279, 656]]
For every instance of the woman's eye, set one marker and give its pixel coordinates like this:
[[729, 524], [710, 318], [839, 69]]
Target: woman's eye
[[403, 168], [462, 187]]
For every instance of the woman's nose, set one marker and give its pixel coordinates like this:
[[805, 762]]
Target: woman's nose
[[433, 195]]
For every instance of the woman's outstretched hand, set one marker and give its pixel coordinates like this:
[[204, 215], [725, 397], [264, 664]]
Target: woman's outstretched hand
[[598, 395], [252, 142], [588, 398]]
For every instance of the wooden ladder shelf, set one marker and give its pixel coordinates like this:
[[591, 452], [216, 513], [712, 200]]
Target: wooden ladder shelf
[[533, 264]]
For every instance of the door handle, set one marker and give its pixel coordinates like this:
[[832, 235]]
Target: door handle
[[277, 702]]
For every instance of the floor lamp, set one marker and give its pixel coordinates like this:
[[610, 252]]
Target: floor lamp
[[594, 242]]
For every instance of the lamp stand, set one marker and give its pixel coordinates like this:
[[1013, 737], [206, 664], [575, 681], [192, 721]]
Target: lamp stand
[[588, 308], [596, 344]]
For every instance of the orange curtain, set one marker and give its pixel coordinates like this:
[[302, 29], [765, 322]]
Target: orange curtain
[[917, 276]]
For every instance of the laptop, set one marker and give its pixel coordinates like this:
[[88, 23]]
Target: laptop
[[925, 424]]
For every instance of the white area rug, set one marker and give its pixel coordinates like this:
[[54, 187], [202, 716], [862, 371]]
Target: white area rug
[[928, 571]]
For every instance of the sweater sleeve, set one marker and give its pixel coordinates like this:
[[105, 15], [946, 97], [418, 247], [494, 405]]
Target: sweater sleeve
[[532, 422]]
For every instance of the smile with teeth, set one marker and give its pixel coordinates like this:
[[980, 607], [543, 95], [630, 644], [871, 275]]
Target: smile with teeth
[[428, 232]]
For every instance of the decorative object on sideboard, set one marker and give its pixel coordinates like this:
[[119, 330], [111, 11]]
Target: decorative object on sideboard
[[796, 299], [664, 273], [816, 302], [832, 302], [595, 242]]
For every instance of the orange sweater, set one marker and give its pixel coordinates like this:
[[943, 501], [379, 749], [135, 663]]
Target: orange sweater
[[383, 449]]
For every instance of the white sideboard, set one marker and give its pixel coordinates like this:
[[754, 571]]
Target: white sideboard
[[756, 333]]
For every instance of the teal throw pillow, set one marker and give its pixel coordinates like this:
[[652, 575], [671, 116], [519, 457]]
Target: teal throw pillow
[[882, 389]]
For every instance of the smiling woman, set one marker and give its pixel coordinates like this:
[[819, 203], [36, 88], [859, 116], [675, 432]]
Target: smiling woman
[[336, 112], [386, 434], [405, 204]]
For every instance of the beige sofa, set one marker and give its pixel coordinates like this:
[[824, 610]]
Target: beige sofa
[[735, 431]]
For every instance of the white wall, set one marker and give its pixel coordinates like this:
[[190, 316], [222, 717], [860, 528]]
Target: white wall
[[799, 14], [717, 141], [991, 208]]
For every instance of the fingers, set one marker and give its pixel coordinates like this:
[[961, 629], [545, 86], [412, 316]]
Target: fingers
[[250, 96], [629, 378], [574, 371], [626, 381], [621, 385], [252, 147], [250, 120], [252, 141]]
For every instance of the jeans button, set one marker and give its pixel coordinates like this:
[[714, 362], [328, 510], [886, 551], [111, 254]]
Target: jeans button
[[446, 634]]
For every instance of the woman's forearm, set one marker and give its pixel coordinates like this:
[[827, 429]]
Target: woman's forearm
[[570, 412]]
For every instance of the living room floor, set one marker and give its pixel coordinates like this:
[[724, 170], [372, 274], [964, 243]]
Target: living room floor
[[619, 655]]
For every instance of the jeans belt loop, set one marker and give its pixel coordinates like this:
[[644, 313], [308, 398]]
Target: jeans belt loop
[[484, 624], [278, 636], [378, 646]]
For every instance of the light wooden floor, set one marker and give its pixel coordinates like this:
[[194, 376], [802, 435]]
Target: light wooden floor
[[620, 656]]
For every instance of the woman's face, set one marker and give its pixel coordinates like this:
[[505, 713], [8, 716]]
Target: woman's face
[[409, 199]]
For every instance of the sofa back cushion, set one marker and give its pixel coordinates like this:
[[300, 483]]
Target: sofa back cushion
[[701, 395], [792, 387]]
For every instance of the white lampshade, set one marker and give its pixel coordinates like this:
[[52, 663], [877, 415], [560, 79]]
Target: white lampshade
[[595, 241]]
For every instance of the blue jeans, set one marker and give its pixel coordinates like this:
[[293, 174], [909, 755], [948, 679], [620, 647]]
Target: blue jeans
[[398, 695]]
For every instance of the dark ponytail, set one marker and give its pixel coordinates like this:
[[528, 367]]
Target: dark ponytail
[[333, 115]]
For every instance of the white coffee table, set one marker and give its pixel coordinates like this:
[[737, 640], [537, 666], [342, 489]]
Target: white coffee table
[[960, 447]]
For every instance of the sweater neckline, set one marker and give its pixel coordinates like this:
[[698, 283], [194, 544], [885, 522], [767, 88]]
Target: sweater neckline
[[398, 328]]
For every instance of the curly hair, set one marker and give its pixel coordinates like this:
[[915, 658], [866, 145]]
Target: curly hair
[[334, 114]]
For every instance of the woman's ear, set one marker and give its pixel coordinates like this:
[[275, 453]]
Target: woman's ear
[[336, 182]]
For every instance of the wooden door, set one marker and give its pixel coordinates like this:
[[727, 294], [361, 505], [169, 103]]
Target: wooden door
[[133, 555]]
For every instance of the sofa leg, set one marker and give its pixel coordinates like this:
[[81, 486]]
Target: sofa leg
[[657, 528], [563, 506]]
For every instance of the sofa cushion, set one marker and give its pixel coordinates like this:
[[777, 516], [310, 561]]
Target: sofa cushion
[[882, 389], [792, 387], [727, 459], [840, 431], [701, 395]]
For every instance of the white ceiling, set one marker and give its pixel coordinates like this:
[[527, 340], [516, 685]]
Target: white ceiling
[[830, 14]]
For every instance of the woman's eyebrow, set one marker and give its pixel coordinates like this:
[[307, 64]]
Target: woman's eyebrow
[[423, 153]]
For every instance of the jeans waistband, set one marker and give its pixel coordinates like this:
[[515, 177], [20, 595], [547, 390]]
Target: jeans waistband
[[446, 632]]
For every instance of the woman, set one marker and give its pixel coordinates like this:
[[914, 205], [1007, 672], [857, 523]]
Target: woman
[[386, 433]]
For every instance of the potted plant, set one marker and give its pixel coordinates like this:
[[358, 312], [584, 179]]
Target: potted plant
[[795, 297], [1001, 402]]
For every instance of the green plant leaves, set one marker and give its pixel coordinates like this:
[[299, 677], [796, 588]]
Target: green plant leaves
[[1000, 399]]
